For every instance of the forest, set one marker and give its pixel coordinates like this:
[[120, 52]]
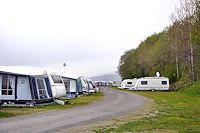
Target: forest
[[174, 52]]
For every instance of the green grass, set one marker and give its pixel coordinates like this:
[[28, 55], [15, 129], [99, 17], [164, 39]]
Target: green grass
[[6, 114], [178, 112], [193, 89], [14, 111]]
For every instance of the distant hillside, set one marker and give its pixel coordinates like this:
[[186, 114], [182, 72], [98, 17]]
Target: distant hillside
[[107, 77]]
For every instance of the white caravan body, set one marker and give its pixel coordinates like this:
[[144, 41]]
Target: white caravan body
[[128, 83], [57, 84], [152, 83]]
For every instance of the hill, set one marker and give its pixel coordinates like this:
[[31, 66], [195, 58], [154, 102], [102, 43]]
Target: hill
[[107, 77]]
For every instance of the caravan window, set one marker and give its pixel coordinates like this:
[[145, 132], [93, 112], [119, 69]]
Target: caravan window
[[129, 83], [56, 79], [143, 82], [8, 85], [41, 87], [164, 82]]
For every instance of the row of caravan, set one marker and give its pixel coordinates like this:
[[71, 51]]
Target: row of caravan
[[146, 83], [22, 84]]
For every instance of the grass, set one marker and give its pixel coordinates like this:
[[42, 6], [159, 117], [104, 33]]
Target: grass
[[177, 112], [14, 111], [194, 89]]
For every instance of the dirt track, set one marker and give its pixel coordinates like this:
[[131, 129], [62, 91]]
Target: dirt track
[[115, 103]]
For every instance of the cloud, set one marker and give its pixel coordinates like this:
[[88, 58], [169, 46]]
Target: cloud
[[89, 35]]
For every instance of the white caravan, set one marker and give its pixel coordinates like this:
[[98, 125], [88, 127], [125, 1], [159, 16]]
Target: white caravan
[[128, 83], [25, 85], [57, 84], [152, 83]]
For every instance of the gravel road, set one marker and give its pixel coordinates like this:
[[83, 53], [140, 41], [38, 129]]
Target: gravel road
[[114, 104]]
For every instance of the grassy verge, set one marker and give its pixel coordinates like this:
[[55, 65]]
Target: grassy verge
[[177, 112], [14, 111]]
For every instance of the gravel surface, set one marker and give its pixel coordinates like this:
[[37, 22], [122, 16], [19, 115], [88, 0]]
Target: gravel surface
[[115, 103]]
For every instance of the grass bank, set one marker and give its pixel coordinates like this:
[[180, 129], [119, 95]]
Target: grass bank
[[14, 111], [177, 112]]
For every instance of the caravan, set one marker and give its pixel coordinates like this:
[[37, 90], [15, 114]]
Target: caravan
[[128, 83], [152, 83], [57, 84], [25, 85]]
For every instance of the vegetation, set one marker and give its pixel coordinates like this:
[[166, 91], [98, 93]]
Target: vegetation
[[13, 111], [174, 52], [177, 112], [193, 90]]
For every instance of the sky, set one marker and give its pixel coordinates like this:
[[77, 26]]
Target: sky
[[88, 35]]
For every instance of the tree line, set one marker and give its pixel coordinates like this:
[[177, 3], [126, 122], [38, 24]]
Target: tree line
[[174, 52]]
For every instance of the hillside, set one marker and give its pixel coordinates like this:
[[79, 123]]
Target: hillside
[[174, 52], [107, 77]]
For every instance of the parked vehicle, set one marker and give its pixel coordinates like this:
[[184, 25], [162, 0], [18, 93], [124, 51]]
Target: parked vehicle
[[152, 83], [128, 83], [57, 84]]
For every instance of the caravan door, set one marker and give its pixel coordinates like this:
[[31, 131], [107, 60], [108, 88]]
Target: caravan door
[[23, 89], [7, 87]]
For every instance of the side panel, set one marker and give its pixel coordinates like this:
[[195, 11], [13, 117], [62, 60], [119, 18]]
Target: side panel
[[33, 89], [7, 87], [41, 88], [73, 86], [79, 86], [140, 86], [23, 88]]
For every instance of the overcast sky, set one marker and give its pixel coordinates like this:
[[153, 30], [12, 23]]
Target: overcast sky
[[89, 35]]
